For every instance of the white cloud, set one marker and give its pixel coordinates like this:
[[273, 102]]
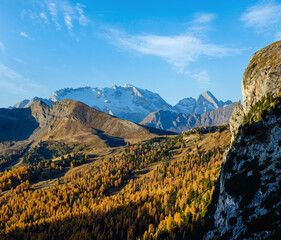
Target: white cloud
[[62, 12], [262, 15], [15, 83], [53, 11], [204, 18], [179, 50], [83, 20], [52, 7], [202, 78], [2, 47], [44, 17], [24, 34], [68, 23]]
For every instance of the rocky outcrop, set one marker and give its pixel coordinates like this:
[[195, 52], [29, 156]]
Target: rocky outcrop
[[262, 76], [236, 119], [247, 203]]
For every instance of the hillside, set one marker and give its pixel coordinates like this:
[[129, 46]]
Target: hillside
[[159, 188], [180, 122], [70, 121], [65, 126]]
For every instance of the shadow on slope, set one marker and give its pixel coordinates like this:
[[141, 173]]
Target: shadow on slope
[[110, 141], [16, 124]]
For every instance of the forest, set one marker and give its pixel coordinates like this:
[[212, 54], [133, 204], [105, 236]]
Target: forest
[[157, 189]]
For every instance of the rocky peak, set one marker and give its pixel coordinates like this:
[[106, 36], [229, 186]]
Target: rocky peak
[[210, 97], [186, 105], [206, 103], [262, 76], [21, 104]]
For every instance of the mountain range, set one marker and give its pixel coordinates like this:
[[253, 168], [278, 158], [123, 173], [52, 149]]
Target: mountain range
[[134, 104], [182, 122]]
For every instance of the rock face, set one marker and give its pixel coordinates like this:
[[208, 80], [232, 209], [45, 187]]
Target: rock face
[[236, 119], [186, 105], [262, 76], [247, 199], [180, 122]]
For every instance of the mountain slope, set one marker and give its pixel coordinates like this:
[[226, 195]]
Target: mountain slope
[[70, 121], [180, 122], [16, 124]]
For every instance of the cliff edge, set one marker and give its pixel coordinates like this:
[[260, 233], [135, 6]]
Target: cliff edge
[[247, 200]]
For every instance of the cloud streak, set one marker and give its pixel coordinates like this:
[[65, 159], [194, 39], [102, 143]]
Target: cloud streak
[[44, 17], [83, 20], [204, 18], [263, 17], [24, 34], [202, 78], [67, 20], [59, 13], [70, 12], [179, 50]]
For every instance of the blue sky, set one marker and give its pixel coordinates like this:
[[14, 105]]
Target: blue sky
[[175, 48]]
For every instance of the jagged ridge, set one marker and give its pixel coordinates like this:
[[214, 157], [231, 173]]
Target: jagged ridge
[[180, 122]]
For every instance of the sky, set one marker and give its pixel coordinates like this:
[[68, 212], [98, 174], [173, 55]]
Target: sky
[[176, 48]]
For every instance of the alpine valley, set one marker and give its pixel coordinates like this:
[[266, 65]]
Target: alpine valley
[[121, 163]]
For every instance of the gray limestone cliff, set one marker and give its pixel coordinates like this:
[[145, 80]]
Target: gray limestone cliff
[[262, 76], [247, 199], [236, 119]]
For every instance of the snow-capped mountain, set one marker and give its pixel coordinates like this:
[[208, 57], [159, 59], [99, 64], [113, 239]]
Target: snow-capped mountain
[[129, 102]]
